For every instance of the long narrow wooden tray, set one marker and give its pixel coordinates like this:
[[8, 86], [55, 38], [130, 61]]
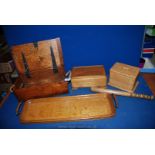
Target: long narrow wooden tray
[[68, 108]]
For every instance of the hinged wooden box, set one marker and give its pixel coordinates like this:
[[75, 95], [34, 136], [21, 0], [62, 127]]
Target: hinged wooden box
[[41, 69], [123, 76], [88, 76]]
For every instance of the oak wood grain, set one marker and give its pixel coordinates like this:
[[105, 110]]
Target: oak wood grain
[[41, 90], [123, 76], [68, 108], [43, 81], [38, 58], [88, 76]]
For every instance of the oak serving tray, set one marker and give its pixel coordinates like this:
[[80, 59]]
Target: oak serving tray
[[68, 108]]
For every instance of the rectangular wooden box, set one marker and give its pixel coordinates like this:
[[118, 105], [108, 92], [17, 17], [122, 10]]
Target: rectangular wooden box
[[41, 69], [88, 76], [123, 76]]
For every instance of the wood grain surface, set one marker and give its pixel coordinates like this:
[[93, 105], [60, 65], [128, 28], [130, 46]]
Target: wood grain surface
[[122, 93], [40, 58], [41, 90], [88, 76], [123, 76], [88, 71], [126, 70], [69, 108]]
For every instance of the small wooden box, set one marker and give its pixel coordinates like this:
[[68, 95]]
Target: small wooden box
[[123, 76], [88, 76], [41, 69]]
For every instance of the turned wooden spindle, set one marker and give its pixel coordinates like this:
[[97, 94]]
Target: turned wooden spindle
[[142, 96], [122, 93]]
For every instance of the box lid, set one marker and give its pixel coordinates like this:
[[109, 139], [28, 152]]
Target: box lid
[[126, 70], [39, 55], [88, 71], [39, 61]]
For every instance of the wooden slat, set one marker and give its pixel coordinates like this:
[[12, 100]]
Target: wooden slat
[[69, 108]]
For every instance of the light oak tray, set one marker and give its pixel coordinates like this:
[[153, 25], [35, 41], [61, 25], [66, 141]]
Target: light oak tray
[[68, 108]]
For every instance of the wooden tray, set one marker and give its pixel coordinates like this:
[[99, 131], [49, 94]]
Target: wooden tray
[[68, 108]]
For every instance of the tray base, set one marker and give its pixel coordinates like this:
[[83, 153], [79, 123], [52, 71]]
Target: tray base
[[68, 108]]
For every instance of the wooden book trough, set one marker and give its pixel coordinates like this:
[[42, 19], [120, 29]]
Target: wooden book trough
[[41, 69], [68, 108]]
